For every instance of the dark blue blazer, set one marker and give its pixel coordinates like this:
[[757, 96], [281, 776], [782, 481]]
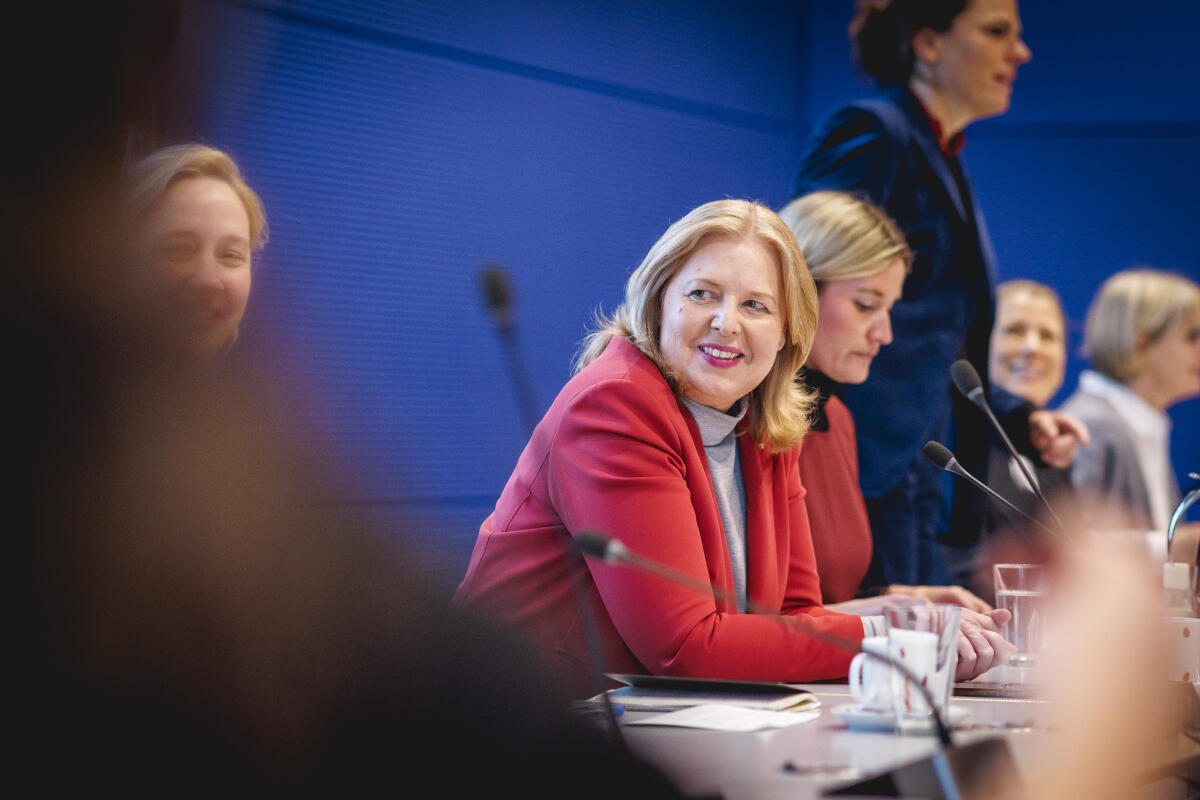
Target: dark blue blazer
[[885, 148]]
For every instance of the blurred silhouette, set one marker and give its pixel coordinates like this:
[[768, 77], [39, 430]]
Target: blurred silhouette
[[191, 615]]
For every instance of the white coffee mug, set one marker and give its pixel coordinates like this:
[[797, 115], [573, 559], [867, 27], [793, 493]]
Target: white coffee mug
[[871, 680], [917, 650], [1183, 649]]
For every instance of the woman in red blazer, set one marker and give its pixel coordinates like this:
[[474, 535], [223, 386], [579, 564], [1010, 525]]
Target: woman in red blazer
[[715, 323]]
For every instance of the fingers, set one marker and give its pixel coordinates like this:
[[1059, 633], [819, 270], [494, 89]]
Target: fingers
[[1000, 617], [980, 645], [1042, 424], [1057, 436], [966, 659], [1075, 426], [989, 621]]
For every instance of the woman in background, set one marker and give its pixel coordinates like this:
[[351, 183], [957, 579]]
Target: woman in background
[[859, 260], [1029, 341], [1028, 360], [677, 437], [1142, 339], [198, 225], [940, 66]]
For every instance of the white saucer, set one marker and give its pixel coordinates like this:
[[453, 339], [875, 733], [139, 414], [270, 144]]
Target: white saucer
[[866, 719]]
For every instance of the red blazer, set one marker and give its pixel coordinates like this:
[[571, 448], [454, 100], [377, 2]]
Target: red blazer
[[618, 455]]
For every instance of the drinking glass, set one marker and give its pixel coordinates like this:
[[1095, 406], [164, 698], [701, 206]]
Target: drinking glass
[[924, 639], [1021, 589]]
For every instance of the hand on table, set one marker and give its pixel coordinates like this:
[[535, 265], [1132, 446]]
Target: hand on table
[[980, 645], [954, 595], [1056, 436]]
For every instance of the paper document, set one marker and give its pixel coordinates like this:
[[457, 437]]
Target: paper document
[[720, 717]]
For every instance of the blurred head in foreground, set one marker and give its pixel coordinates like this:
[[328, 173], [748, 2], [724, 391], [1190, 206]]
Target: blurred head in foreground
[[197, 227], [194, 612]]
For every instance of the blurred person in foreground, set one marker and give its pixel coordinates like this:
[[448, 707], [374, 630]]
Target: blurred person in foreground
[[198, 225], [940, 66], [1142, 339], [190, 616], [859, 260], [1113, 720], [677, 436]]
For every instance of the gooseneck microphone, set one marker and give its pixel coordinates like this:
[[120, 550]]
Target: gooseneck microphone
[[1192, 495], [942, 458], [496, 290], [967, 381], [611, 551]]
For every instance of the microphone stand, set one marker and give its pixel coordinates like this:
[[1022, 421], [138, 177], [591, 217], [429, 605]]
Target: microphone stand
[[576, 571], [496, 290], [942, 458], [1188, 499], [966, 380]]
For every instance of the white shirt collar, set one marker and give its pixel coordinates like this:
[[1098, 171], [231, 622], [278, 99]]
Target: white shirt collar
[[1151, 431], [1146, 421]]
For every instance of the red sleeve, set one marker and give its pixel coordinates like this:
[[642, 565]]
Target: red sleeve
[[618, 468]]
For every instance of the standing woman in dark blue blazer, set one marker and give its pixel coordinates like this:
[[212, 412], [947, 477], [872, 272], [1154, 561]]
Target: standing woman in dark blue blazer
[[941, 65]]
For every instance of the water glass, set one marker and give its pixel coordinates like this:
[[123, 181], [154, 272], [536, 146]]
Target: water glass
[[1021, 590]]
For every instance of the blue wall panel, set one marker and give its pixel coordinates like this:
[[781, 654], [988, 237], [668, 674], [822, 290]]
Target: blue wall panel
[[402, 146], [392, 172]]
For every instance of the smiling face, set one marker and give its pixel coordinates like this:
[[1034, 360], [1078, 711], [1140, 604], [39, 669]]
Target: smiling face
[[1170, 365], [722, 320], [854, 322], [197, 240], [970, 67], [1028, 347]]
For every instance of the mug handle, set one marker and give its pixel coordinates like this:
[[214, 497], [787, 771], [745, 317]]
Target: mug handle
[[855, 678]]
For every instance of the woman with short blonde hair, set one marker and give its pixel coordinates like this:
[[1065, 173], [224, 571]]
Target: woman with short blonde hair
[[1142, 338], [1132, 311]]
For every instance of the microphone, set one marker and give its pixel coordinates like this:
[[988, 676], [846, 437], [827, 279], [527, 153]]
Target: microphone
[[963, 772], [577, 577], [497, 296], [1193, 494], [942, 458], [496, 290], [967, 381]]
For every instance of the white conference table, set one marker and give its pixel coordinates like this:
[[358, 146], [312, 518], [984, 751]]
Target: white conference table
[[802, 761]]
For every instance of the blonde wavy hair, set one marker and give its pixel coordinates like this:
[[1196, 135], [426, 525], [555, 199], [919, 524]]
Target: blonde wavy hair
[[777, 413]]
